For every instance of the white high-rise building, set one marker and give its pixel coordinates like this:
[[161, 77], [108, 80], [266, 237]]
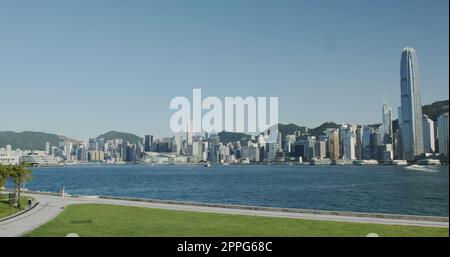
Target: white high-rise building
[[442, 133], [8, 150], [289, 143], [190, 133], [47, 148], [349, 142], [428, 135], [411, 105], [177, 143]]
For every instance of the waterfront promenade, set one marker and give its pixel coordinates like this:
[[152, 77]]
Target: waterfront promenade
[[50, 205]]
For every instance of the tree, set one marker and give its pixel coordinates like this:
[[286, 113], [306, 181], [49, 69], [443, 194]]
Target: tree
[[4, 173], [19, 174]]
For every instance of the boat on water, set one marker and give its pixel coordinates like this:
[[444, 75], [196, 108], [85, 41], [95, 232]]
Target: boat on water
[[207, 164], [416, 167], [429, 162]]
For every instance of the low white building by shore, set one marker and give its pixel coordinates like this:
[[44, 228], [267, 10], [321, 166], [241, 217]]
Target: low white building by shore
[[9, 160]]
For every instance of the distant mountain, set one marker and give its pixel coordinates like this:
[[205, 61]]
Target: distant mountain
[[290, 129], [226, 137], [434, 110], [317, 131], [30, 140], [284, 129], [111, 135]]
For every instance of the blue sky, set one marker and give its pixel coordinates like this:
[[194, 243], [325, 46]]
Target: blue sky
[[81, 68]]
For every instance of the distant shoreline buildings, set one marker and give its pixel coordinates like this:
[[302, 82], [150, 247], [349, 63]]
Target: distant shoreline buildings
[[412, 140]]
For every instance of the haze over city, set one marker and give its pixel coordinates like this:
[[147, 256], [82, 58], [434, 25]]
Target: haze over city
[[82, 68]]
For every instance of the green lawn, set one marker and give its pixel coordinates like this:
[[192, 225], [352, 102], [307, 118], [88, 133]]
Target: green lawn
[[109, 220], [6, 209]]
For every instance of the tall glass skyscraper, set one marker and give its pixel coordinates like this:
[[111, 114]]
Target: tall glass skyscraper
[[387, 124], [411, 105]]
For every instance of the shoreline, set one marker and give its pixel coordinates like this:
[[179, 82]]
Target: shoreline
[[253, 207], [235, 164], [49, 205]]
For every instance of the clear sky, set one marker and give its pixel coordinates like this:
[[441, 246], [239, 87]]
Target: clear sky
[[81, 68]]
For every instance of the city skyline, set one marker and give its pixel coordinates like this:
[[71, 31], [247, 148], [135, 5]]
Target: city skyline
[[360, 144], [90, 73], [384, 123]]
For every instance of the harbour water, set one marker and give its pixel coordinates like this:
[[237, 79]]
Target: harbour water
[[420, 190]]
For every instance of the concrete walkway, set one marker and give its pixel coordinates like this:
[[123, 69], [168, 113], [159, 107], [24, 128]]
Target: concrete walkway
[[51, 205]]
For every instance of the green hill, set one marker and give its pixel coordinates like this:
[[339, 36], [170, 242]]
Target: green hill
[[284, 129], [317, 131], [111, 135], [434, 110], [228, 137], [29, 140], [290, 129]]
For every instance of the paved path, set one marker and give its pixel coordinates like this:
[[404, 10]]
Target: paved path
[[50, 206]]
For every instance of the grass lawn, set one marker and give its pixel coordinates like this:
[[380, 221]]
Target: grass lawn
[[6, 209], [109, 220]]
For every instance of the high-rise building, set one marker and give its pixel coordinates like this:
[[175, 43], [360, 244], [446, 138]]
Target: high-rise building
[[387, 124], [190, 133], [367, 142], [428, 135], [289, 143], [333, 146], [214, 142], [178, 144], [96, 155], [47, 148], [411, 105], [387, 152], [359, 147], [279, 142], [272, 149], [251, 152], [349, 142], [124, 151], [320, 149], [398, 144], [442, 133], [8, 149], [148, 140], [93, 144], [308, 144]]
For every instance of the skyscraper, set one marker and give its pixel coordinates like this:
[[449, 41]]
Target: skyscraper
[[367, 142], [334, 144], [398, 145], [190, 133], [178, 138], [148, 140], [428, 135], [387, 124], [442, 132], [411, 105], [349, 141], [47, 148]]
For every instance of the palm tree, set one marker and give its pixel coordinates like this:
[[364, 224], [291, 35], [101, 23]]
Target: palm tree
[[19, 174], [3, 175]]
